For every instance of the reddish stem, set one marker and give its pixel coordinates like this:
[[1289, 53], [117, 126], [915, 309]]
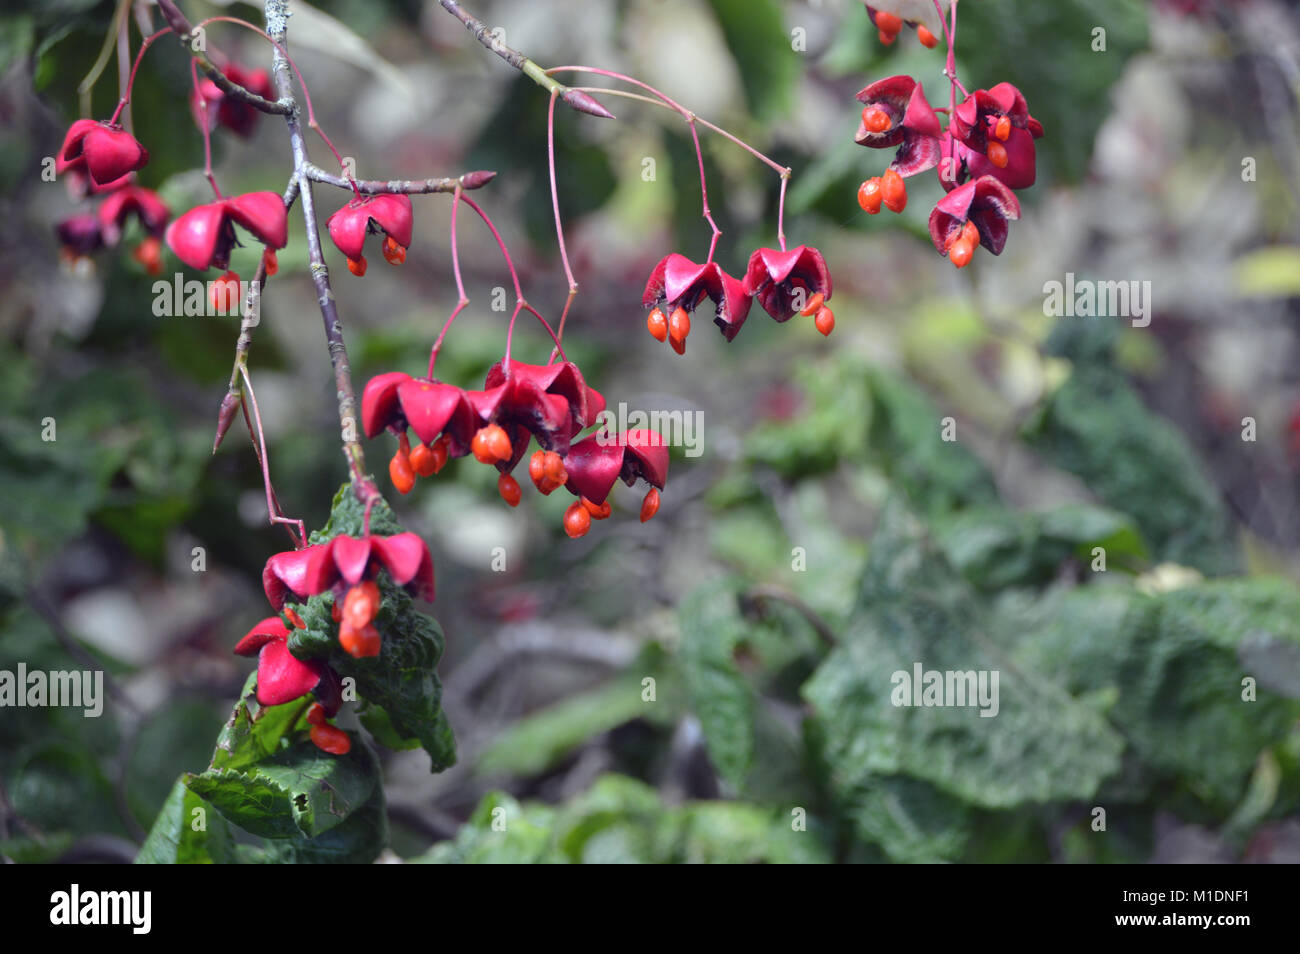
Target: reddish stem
[[206, 128], [462, 300], [259, 448], [130, 83]]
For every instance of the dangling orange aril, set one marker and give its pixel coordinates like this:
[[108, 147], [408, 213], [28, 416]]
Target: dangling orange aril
[[331, 739], [997, 154], [887, 39], [336, 612], [490, 444], [875, 119], [361, 604], [394, 254], [679, 344], [149, 254], [400, 472], [893, 191], [357, 266], [598, 511], [316, 714], [555, 468], [509, 490], [440, 452], [869, 195], [1002, 130], [422, 460], [825, 321], [970, 234], [294, 618], [537, 468], [223, 293], [887, 22], [269, 262], [679, 325], [577, 520], [657, 325], [650, 505], [814, 305], [961, 252], [928, 39], [359, 642]]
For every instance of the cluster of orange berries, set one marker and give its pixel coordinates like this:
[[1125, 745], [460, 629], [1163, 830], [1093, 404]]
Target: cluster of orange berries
[[422, 460], [357, 633], [888, 190], [889, 25], [674, 328], [394, 254]]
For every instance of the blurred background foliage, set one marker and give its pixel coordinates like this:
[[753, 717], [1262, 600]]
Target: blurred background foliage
[[827, 536]]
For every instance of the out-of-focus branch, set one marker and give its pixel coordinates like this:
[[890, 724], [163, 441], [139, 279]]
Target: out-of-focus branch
[[577, 99], [470, 180]]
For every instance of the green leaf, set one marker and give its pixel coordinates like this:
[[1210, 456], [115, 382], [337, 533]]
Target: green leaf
[[501, 831], [712, 632], [254, 731], [357, 840], [1176, 661], [541, 740], [994, 547], [1041, 745], [297, 790], [402, 680], [906, 439], [1096, 426], [759, 43], [174, 840]]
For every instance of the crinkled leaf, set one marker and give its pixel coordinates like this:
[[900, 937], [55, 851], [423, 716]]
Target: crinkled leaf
[[174, 838], [297, 790]]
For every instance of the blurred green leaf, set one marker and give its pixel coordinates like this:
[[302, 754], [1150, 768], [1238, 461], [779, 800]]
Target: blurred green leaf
[[768, 63]]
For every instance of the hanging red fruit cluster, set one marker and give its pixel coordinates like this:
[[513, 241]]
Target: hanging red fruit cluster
[[551, 404], [98, 161], [347, 568], [985, 152]]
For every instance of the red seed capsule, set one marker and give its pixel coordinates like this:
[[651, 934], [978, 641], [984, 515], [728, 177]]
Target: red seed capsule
[[357, 266], [394, 254], [400, 472], [927, 38], [825, 321], [875, 119], [650, 505], [997, 154], [331, 739], [657, 325], [869, 195], [509, 490], [577, 520], [813, 306], [361, 604], [893, 191]]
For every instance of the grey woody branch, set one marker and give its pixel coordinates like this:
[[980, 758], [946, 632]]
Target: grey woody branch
[[466, 182], [574, 98], [183, 30]]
